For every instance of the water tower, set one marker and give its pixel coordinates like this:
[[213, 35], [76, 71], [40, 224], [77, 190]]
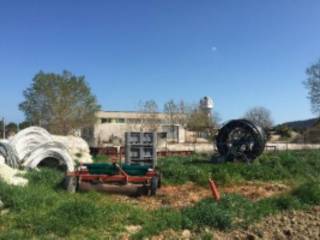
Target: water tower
[[206, 104]]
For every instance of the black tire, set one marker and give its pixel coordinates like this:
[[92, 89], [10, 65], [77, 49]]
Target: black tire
[[71, 184], [142, 191], [230, 150], [154, 185]]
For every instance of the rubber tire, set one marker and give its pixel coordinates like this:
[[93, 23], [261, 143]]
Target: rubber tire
[[142, 191], [256, 132], [71, 184]]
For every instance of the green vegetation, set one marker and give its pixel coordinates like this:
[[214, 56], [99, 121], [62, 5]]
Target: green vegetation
[[43, 210], [231, 212], [284, 131], [293, 166], [100, 158], [60, 102]]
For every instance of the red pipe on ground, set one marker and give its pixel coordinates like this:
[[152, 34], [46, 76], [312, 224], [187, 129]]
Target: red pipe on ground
[[214, 190]]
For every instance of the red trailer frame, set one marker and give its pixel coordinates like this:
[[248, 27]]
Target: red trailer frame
[[151, 180]]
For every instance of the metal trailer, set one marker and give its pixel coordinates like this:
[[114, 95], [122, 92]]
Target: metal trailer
[[148, 179]]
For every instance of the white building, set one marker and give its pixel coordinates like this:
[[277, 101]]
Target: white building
[[112, 125]]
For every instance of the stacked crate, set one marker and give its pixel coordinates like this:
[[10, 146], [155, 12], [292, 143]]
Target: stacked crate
[[141, 148]]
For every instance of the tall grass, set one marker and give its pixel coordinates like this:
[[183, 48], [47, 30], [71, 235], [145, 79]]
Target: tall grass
[[292, 165], [43, 209]]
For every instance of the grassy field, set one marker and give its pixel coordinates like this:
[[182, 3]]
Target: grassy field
[[289, 166], [43, 210]]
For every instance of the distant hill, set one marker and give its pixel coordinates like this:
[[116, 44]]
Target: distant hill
[[300, 125]]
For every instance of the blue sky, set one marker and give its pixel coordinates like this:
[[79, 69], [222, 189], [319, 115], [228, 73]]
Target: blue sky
[[241, 53]]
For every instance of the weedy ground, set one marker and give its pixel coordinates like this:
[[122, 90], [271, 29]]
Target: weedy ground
[[43, 210]]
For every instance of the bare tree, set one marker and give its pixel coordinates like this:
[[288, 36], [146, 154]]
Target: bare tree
[[150, 120], [172, 111], [175, 112], [313, 85], [260, 116]]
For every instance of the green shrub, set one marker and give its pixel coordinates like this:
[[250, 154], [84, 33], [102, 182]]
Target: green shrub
[[309, 193], [22, 198], [158, 221], [15, 234], [219, 215], [70, 215], [287, 202], [47, 177], [101, 158], [235, 211]]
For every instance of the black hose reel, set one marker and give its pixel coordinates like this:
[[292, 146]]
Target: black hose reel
[[240, 140]]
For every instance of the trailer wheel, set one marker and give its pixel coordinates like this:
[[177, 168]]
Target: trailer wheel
[[71, 184], [154, 185], [142, 191]]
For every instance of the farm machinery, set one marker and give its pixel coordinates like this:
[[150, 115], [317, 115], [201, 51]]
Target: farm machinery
[[139, 169], [240, 140], [147, 178]]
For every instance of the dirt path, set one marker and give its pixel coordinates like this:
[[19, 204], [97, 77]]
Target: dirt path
[[179, 196]]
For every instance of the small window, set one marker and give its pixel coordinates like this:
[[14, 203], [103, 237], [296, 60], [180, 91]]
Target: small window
[[120, 120], [106, 120], [134, 121], [162, 135]]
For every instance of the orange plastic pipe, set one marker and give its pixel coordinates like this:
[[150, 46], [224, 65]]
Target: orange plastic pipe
[[214, 190]]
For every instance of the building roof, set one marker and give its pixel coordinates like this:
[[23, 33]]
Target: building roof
[[127, 114]]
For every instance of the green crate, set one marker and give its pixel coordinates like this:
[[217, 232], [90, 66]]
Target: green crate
[[111, 169]]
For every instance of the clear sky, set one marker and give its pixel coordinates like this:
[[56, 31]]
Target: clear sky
[[242, 53]]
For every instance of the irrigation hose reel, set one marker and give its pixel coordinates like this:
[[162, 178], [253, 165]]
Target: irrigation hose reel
[[240, 140]]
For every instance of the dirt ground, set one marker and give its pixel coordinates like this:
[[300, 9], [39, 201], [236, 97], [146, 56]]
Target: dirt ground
[[179, 196], [294, 225], [256, 191]]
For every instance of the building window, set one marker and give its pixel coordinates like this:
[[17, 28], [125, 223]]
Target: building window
[[134, 121], [162, 135], [106, 120], [120, 120]]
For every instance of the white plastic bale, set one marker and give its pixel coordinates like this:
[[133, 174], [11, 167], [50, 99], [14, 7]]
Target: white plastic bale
[[9, 175], [9, 154], [52, 150], [25, 141], [77, 147], [2, 160]]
